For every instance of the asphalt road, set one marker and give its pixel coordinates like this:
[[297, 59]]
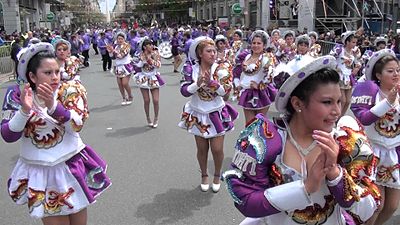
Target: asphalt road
[[154, 172]]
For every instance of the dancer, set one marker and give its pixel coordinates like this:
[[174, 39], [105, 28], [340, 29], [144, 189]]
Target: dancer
[[300, 169], [375, 103], [123, 68], [252, 77], [206, 115], [149, 79], [69, 64], [56, 175]]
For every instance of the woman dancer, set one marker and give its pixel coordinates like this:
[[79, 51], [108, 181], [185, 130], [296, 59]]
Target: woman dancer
[[206, 115], [253, 77], [57, 175], [123, 68], [149, 79], [300, 169], [348, 58], [375, 103], [69, 65]]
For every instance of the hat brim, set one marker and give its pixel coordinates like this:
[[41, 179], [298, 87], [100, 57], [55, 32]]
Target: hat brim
[[193, 46], [59, 41], [346, 35], [374, 58], [28, 54], [297, 77]]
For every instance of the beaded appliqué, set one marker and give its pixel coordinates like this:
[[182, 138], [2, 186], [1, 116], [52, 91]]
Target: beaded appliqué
[[389, 126]]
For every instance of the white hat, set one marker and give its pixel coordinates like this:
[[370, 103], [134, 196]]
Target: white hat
[[194, 44], [239, 32], [288, 32], [27, 54], [276, 31], [347, 34], [380, 39], [220, 37], [263, 33], [303, 37], [58, 40], [299, 72], [374, 58], [313, 33], [140, 43], [119, 34]]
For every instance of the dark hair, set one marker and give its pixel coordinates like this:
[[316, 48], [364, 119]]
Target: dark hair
[[145, 43], [240, 34], [34, 64], [263, 38], [304, 90], [121, 35], [303, 41], [379, 65], [349, 38]]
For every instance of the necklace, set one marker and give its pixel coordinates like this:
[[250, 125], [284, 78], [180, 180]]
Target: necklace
[[303, 151]]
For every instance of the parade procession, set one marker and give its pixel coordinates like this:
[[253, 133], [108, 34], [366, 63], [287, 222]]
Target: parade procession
[[225, 112]]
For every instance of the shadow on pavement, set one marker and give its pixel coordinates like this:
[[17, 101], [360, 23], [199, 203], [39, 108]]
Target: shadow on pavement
[[127, 132], [103, 108], [174, 205], [395, 220]]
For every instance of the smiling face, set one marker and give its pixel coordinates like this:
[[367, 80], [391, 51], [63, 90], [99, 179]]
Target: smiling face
[[120, 39], [221, 45], [47, 72], [257, 46], [389, 76], [322, 109], [236, 37]]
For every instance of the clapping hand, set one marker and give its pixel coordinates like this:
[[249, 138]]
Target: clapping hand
[[393, 94], [45, 93], [26, 99], [316, 174], [330, 148], [204, 79]]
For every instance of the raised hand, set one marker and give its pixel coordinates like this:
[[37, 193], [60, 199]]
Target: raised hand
[[316, 175], [45, 93], [26, 99], [328, 146]]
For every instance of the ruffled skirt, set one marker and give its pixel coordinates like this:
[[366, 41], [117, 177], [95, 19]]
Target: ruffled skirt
[[255, 99], [209, 125], [388, 173], [123, 70], [63, 189], [148, 82]]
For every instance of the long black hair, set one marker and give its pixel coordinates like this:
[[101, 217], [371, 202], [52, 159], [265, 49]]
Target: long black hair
[[34, 64]]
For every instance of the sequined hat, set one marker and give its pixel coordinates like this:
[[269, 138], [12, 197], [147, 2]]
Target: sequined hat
[[28, 53], [276, 31], [193, 46], [300, 71], [303, 38], [140, 43], [346, 34], [374, 58], [380, 39], [313, 33]]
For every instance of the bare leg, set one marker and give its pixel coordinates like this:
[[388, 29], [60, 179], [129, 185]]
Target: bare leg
[[202, 156], [155, 93], [392, 197], [121, 87], [56, 220], [217, 150], [264, 111], [177, 62], [373, 218], [79, 218], [125, 84], [346, 99], [146, 104]]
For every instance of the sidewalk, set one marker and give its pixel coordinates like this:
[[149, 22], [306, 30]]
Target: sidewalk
[[6, 77]]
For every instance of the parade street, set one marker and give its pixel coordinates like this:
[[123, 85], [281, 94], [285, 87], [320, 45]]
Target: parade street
[[154, 171]]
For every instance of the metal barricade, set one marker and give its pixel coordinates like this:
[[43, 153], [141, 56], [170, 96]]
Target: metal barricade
[[7, 66], [326, 47]]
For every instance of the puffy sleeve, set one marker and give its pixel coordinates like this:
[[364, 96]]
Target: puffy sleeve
[[237, 69], [336, 51], [188, 85], [72, 105], [249, 182], [13, 120], [363, 104], [354, 190], [222, 79]]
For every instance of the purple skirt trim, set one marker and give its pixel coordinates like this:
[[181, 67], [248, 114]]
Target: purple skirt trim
[[160, 80], [257, 99], [129, 67], [90, 171], [224, 121]]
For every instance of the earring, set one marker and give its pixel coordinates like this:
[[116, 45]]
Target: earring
[[299, 110]]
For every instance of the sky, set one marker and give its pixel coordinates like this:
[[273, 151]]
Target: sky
[[111, 4]]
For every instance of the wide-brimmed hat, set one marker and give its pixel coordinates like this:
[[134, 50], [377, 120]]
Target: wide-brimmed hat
[[239, 32], [380, 39], [304, 38], [374, 58], [220, 37], [193, 46], [58, 40], [276, 31], [27, 54], [346, 34], [313, 33], [120, 34], [288, 32], [299, 72], [263, 33]]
